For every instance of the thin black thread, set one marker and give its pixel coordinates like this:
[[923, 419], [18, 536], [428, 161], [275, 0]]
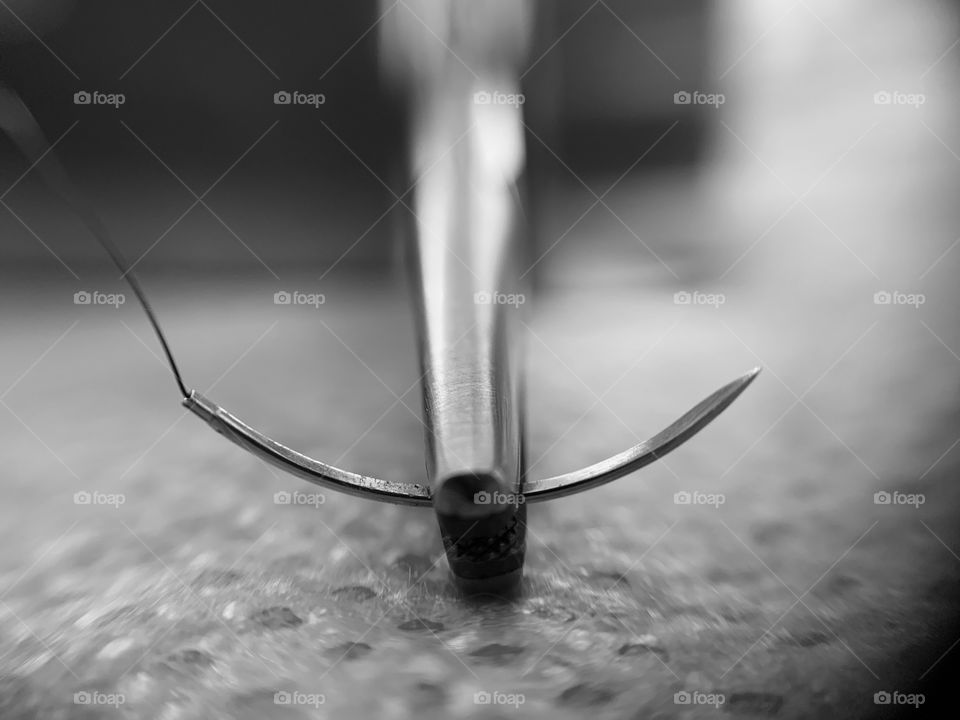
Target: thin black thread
[[22, 128], [93, 223]]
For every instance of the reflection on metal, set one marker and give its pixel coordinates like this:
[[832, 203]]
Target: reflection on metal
[[319, 473], [651, 450], [466, 160]]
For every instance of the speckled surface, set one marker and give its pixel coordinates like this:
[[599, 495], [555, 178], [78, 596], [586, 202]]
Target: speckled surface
[[797, 597], [199, 597]]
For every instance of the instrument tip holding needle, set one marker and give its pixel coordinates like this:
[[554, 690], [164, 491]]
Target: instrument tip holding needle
[[463, 247]]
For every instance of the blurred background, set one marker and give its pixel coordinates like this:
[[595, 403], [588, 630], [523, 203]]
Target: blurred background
[[712, 186], [202, 99]]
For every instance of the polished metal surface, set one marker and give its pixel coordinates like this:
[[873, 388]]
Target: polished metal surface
[[642, 454], [466, 160], [314, 471], [464, 267]]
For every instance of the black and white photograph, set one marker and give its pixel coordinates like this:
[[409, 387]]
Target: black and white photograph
[[493, 359]]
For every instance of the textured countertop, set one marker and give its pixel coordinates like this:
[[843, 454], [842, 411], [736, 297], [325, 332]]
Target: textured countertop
[[183, 590], [195, 595]]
